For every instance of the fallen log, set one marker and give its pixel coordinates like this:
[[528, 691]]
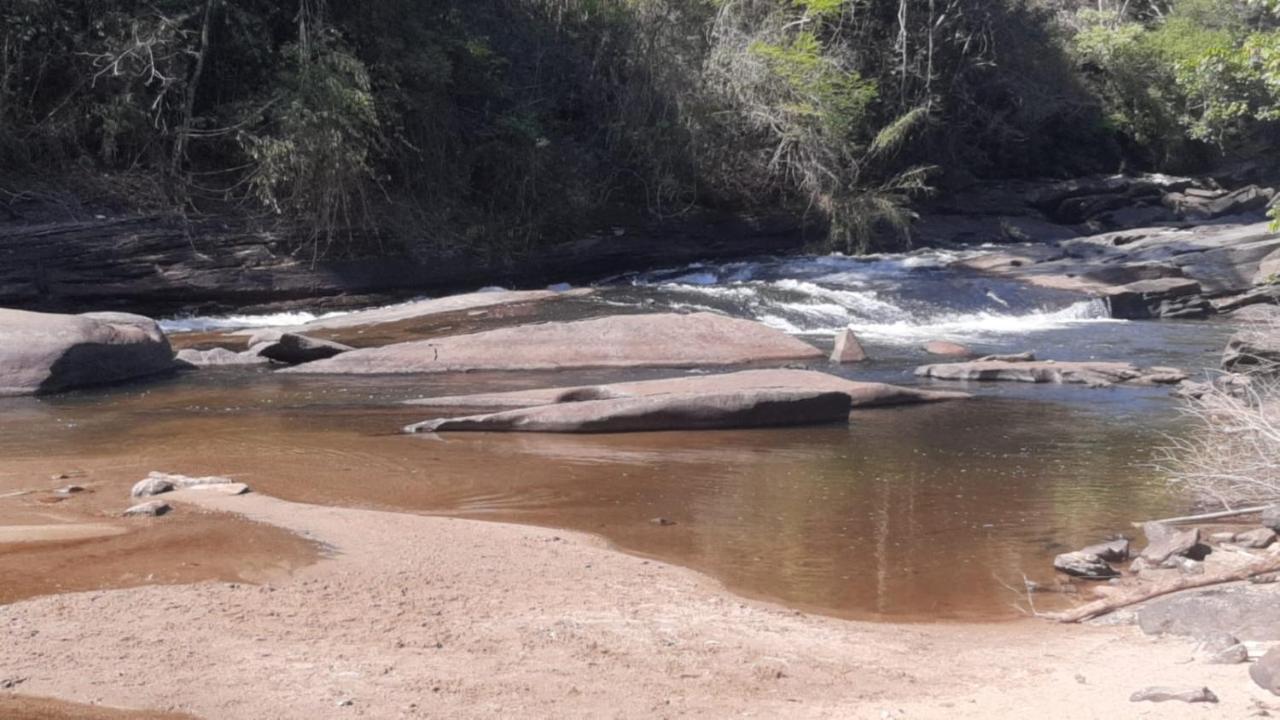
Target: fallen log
[[1207, 516], [1261, 566]]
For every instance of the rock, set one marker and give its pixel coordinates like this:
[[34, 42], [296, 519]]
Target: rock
[[1110, 551], [663, 522], [218, 357], [1271, 518], [1256, 539], [949, 349], [861, 394], [1084, 565], [152, 485], [1222, 537], [1016, 357], [295, 349], [151, 508], [656, 340], [1158, 298], [1261, 304], [47, 353], [847, 348], [1253, 350], [1250, 198], [264, 337], [1094, 374], [69, 490], [1266, 672], [691, 411], [1165, 542], [1164, 694], [1222, 648], [1249, 612], [1268, 270], [234, 488]]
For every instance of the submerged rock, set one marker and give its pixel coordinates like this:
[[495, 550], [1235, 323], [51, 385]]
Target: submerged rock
[[1094, 374], [1164, 694], [689, 411], [48, 353], [656, 340], [847, 348], [295, 349]]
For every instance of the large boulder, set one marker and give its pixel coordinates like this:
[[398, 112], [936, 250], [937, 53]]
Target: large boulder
[[295, 349], [1168, 297], [1249, 612], [656, 340], [1094, 374], [1266, 672], [1253, 349], [689, 411], [47, 353], [861, 394]]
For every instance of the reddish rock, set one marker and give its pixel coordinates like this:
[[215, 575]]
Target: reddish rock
[[948, 349], [847, 349]]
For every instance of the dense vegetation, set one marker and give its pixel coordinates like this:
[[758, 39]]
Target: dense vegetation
[[493, 125]]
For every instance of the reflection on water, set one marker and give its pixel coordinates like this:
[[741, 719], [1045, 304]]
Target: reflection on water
[[910, 512]]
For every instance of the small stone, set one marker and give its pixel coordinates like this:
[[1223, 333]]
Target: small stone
[[1266, 672], [663, 522], [1084, 565], [1164, 694], [1257, 539], [69, 490], [345, 703], [1223, 649], [151, 508]]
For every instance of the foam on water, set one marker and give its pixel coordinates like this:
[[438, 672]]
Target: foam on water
[[235, 322]]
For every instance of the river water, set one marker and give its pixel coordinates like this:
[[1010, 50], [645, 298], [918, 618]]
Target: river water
[[927, 512]]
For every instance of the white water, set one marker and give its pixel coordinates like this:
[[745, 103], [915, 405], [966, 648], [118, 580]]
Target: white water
[[234, 322]]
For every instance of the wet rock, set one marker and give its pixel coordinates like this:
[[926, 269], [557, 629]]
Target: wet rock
[[1093, 374], [1249, 612], [1165, 542], [655, 340], [691, 411], [947, 348], [847, 348], [1012, 358], [1250, 198], [1256, 539], [1110, 551], [861, 394], [1164, 694], [1253, 350], [218, 357], [47, 353], [1084, 565], [1158, 298], [1271, 518], [295, 349], [151, 508], [1222, 649], [1266, 672]]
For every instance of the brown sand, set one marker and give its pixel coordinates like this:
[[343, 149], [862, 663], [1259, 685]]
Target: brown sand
[[418, 616]]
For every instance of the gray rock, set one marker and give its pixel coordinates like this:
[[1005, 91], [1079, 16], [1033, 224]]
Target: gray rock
[[295, 349], [158, 483], [1111, 551], [1093, 374], [1158, 298], [1165, 542], [69, 490], [847, 348], [1011, 358], [1271, 518], [1256, 539], [1253, 350], [1222, 649], [1164, 694], [1249, 612], [689, 411], [218, 357], [151, 508], [1084, 565], [1268, 270], [223, 488], [264, 337], [46, 353], [1266, 672], [152, 485], [1222, 537]]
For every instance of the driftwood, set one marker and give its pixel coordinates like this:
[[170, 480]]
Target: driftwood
[[1206, 516], [1261, 566]]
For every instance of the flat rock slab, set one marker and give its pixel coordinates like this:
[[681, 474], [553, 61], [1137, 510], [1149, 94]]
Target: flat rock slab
[[48, 353], [861, 394], [1164, 694], [677, 411], [1098, 374], [219, 357], [658, 340], [295, 349], [1249, 612]]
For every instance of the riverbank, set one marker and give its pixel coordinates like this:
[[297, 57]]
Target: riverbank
[[413, 616]]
